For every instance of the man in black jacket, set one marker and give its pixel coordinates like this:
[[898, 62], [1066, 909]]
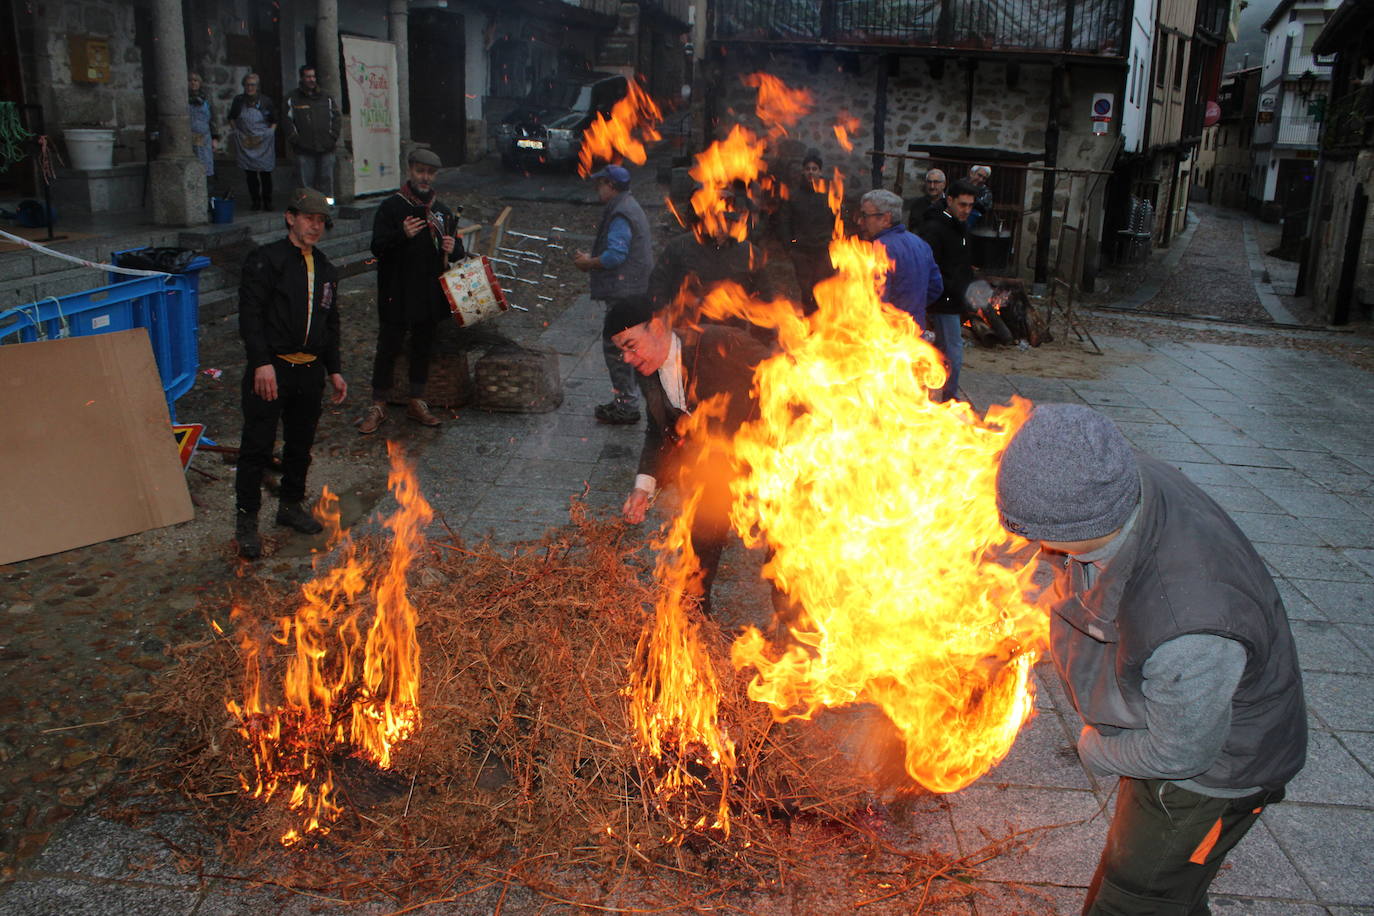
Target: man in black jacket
[[678, 370], [289, 321], [312, 131], [946, 233], [414, 242]]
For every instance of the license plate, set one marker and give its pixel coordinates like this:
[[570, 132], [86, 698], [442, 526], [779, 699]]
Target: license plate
[[530, 144]]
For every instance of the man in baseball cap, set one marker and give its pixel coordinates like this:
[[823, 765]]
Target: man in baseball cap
[[619, 266], [1174, 647]]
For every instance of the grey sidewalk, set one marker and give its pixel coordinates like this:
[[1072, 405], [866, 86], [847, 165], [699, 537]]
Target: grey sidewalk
[[1281, 438]]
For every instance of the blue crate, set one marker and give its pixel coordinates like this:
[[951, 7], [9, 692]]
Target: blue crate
[[167, 307]]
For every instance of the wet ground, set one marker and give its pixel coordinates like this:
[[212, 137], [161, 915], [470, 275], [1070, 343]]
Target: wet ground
[[1272, 422]]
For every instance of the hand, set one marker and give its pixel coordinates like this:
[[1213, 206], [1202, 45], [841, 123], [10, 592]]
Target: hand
[[265, 382], [447, 244], [412, 225], [636, 505], [583, 261], [340, 388]]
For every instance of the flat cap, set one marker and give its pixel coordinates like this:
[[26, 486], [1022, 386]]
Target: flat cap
[[308, 200], [422, 156]]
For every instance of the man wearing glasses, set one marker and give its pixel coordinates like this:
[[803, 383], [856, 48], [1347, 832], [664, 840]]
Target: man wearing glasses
[[913, 280], [932, 202]]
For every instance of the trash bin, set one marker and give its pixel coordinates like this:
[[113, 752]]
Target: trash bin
[[221, 210]]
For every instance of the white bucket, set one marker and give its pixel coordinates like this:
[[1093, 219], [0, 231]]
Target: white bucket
[[90, 149]]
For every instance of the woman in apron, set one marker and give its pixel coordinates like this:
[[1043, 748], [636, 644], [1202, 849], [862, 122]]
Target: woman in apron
[[202, 127], [255, 124]]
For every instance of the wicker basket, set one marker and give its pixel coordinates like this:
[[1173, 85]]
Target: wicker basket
[[450, 380], [519, 380]]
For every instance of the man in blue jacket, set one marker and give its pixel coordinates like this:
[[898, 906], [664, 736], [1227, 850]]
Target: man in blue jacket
[[913, 281], [1174, 647]]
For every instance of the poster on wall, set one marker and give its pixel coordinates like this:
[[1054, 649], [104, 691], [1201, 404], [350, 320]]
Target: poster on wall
[[370, 71]]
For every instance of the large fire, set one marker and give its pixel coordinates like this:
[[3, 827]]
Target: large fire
[[633, 121], [343, 691], [878, 505]]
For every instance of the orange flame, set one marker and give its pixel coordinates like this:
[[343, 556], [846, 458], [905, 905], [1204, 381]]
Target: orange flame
[[779, 106], [845, 124], [341, 693], [879, 507], [739, 157], [633, 122]]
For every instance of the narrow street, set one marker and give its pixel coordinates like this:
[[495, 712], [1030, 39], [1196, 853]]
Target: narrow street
[[1270, 421]]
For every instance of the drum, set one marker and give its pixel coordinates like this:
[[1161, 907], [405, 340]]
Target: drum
[[472, 291]]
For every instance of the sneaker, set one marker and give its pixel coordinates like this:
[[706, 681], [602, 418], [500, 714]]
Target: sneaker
[[375, 417], [618, 413], [246, 533], [418, 411], [291, 515]]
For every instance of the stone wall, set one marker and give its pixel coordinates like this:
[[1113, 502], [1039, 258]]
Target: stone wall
[[1337, 183], [927, 105]]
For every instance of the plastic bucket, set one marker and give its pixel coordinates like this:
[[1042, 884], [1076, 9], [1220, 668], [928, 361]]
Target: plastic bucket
[[90, 149], [221, 210]]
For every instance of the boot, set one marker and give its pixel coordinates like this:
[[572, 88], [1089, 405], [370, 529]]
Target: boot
[[617, 413], [374, 418], [419, 412], [246, 533], [291, 515]]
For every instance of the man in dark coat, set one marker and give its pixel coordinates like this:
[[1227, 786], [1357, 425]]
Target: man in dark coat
[[945, 232], [1174, 647], [933, 198], [695, 262], [806, 224], [312, 132], [618, 268], [289, 321], [678, 370], [413, 239]]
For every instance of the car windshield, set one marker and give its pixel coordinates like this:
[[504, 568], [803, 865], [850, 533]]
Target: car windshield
[[560, 94]]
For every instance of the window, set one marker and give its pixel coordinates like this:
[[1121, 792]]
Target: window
[[1178, 61], [1161, 58]]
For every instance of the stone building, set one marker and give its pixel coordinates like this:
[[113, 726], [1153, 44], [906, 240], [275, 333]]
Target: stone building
[[103, 64], [1338, 272], [948, 85], [1288, 119]]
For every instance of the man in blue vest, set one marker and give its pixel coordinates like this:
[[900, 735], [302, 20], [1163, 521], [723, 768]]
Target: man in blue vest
[[619, 267], [1173, 645]]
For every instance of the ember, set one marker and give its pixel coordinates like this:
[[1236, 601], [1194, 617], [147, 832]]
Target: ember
[[342, 693]]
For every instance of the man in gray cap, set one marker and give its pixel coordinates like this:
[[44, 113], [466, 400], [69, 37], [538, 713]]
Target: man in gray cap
[[1174, 647], [413, 239], [619, 266], [289, 321]]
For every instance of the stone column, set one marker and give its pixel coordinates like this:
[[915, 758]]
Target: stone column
[[327, 70], [398, 18], [177, 177]]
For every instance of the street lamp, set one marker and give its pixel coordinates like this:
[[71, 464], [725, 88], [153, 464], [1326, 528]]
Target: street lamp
[[1306, 83]]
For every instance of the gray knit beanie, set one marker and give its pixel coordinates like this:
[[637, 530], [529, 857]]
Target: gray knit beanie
[[1068, 475]]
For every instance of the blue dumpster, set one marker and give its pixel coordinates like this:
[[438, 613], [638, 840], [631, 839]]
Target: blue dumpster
[[167, 307]]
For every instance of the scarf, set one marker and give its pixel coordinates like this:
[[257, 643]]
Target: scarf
[[434, 220]]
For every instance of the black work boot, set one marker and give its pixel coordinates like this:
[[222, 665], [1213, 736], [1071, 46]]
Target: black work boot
[[246, 533], [291, 515]]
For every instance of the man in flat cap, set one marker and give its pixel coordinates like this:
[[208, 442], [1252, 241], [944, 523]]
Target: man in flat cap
[[1174, 647], [289, 321], [618, 269], [679, 369], [414, 242]]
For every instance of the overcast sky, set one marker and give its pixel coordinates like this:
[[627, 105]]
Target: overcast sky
[[1251, 38]]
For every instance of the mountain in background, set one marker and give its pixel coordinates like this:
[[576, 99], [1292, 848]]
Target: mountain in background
[[1251, 39]]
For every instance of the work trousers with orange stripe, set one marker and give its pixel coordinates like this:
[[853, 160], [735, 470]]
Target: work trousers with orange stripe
[[1164, 847]]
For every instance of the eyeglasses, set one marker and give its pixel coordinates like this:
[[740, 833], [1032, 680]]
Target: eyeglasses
[[868, 214]]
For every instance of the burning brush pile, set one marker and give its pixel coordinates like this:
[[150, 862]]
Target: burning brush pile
[[425, 716]]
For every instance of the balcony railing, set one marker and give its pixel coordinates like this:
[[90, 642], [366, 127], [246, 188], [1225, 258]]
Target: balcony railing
[[1298, 132], [1067, 26]]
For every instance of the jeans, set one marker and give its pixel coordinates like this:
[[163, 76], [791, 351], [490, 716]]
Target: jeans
[[949, 340], [316, 170], [622, 375], [1164, 847]]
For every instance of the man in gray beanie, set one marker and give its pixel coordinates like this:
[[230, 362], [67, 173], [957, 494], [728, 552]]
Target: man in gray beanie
[[1173, 645]]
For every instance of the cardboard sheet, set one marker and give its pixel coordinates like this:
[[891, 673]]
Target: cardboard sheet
[[87, 452]]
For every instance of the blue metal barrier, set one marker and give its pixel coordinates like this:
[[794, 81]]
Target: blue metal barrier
[[167, 307]]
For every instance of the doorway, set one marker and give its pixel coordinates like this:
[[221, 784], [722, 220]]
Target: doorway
[[438, 106]]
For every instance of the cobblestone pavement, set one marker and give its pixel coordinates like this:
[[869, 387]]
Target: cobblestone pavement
[[1278, 435]]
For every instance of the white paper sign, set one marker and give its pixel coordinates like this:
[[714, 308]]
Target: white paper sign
[[370, 70]]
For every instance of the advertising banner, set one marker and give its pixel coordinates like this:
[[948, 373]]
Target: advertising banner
[[370, 72]]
